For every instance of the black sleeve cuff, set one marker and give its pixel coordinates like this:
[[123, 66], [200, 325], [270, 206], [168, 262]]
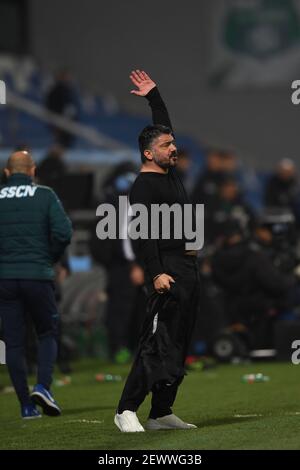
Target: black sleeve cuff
[[154, 267], [153, 95]]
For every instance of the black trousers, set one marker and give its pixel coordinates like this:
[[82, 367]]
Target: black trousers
[[166, 333], [121, 297]]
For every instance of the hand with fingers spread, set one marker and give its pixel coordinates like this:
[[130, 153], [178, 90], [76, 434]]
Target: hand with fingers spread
[[142, 81], [162, 283]]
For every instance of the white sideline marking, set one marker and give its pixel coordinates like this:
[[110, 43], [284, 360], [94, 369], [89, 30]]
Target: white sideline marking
[[247, 416], [85, 421]]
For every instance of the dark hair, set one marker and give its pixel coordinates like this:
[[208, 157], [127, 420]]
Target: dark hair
[[147, 136]]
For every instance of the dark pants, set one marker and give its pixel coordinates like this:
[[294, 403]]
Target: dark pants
[[125, 311], [121, 296], [38, 299], [165, 338]]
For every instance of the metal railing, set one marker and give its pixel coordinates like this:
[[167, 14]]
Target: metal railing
[[88, 133]]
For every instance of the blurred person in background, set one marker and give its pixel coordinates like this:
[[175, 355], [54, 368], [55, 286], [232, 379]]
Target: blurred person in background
[[52, 167], [220, 164], [275, 233], [62, 272], [255, 290], [220, 167], [34, 233], [283, 189], [276, 236], [62, 99], [228, 204], [183, 166], [125, 276]]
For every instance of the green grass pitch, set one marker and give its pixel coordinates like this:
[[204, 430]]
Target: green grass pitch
[[229, 414]]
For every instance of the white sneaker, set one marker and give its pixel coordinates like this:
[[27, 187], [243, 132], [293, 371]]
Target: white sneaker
[[168, 422], [128, 422]]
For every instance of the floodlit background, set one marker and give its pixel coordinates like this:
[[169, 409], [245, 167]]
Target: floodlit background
[[225, 70]]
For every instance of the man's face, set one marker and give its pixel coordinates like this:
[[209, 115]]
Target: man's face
[[286, 173], [164, 151], [229, 191], [264, 235], [214, 162]]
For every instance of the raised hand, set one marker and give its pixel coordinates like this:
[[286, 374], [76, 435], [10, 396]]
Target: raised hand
[[142, 81]]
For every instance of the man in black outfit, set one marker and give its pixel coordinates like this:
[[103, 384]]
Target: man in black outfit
[[172, 279]]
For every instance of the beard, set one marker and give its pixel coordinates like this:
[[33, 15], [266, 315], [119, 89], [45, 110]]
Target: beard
[[171, 162]]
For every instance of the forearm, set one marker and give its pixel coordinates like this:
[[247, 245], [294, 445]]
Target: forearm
[[150, 257], [159, 110], [60, 239], [60, 227]]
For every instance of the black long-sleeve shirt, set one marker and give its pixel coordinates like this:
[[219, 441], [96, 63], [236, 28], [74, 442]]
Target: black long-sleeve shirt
[[159, 188]]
